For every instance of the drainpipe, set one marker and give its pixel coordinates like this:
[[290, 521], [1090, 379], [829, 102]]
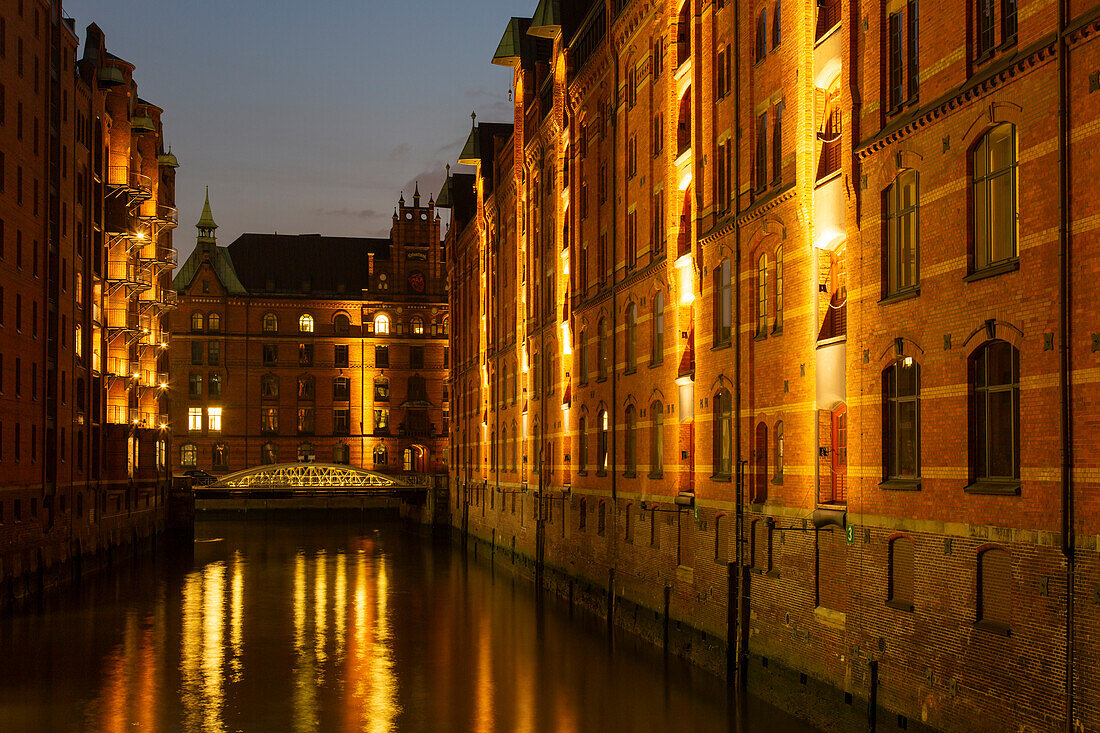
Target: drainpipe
[[613, 407], [741, 597], [1064, 326]]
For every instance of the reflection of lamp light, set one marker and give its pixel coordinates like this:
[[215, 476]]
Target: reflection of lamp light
[[687, 297], [907, 361]]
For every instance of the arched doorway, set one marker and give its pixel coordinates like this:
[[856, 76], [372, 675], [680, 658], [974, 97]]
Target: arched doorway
[[415, 459]]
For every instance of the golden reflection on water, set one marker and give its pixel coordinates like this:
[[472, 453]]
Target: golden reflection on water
[[483, 712], [344, 655]]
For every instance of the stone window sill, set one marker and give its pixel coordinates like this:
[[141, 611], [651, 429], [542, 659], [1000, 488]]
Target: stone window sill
[[724, 478], [994, 488], [723, 344], [900, 295], [900, 605], [897, 484], [997, 268], [993, 627]]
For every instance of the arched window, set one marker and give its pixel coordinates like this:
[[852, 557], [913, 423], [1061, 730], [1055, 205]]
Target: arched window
[[269, 387], [271, 323], [995, 590], [269, 454], [582, 436], [214, 322], [341, 323], [901, 420], [723, 304], [780, 451], [901, 218], [683, 125], [902, 574], [416, 325], [995, 415], [601, 442], [305, 453], [189, 455], [305, 323], [197, 320], [382, 323], [994, 192], [683, 34], [515, 447], [658, 328], [762, 295], [603, 354], [341, 389], [631, 440], [657, 439], [760, 455], [723, 434], [583, 356], [380, 457], [631, 337]]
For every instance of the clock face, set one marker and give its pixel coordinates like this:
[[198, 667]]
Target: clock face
[[416, 282]]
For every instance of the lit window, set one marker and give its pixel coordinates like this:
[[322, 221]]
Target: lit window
[[271, 323], [305, 323], [189, 455], [214, 322], [214, 418], [196, 321], [723, 434], [601, 442], [381, 323], [417, 325], [194, 418]]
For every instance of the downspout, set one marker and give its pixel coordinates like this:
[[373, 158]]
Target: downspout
[[613, 407], [1065, 387], [741, 597]]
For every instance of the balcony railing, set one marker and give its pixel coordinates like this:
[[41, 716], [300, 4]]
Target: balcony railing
[[168, 215]]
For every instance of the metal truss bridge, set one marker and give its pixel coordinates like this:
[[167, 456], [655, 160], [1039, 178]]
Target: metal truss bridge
[[312, 479]]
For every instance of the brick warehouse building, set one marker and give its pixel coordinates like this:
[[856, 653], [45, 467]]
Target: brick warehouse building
[[774, 325], [86, 213], [311, 348]]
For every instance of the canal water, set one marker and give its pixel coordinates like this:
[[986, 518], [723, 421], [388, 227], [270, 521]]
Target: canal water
[[298, 623]]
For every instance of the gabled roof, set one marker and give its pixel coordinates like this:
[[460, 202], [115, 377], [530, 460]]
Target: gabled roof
[[219, 260], [283, 263]]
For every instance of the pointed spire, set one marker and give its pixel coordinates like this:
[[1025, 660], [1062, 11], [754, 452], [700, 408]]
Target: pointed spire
[[206, 225]]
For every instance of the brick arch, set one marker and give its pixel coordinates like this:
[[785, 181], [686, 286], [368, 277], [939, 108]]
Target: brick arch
[[991, 116], [897, 347], [992, 329], [721, 381]]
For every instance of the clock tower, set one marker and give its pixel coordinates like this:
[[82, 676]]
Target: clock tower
[[416, 254]]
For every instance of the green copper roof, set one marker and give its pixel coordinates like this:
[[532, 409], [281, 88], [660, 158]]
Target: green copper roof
[[142, 123], [206, 221], [219, 260], [471, 151], [546, 22], [508, 51], [444, 200], [168, 160]]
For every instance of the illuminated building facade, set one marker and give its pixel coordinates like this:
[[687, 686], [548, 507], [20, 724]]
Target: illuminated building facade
[[86, 218], [776, 315], [311, 348]]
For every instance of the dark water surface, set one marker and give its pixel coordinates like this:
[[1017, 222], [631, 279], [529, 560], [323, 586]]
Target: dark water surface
[[294, 623]]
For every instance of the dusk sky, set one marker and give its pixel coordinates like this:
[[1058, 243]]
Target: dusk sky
[[309, 117]]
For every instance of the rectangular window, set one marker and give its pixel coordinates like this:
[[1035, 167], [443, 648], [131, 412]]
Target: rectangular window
[[194, 418], [215, 387], [416, 357], [1008, 21], [271, 354], [913, 51], [341, 420], [214, 418], [777, 144], [897, 63], [340, 357], [778, 290], [381, 420], [194, 386], [900, 220], [214, 353], [198, 351], [382, 356], [762, 151], [986, 22], [305, 421], [901, 420], [269, 420], [305, 354]]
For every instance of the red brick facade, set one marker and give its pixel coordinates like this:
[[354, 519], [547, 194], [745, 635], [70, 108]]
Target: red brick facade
[[310, 348], [869, 228], [86, 213]]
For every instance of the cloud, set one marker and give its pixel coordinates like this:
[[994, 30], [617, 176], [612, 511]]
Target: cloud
[[400, 152], [356, 213]]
